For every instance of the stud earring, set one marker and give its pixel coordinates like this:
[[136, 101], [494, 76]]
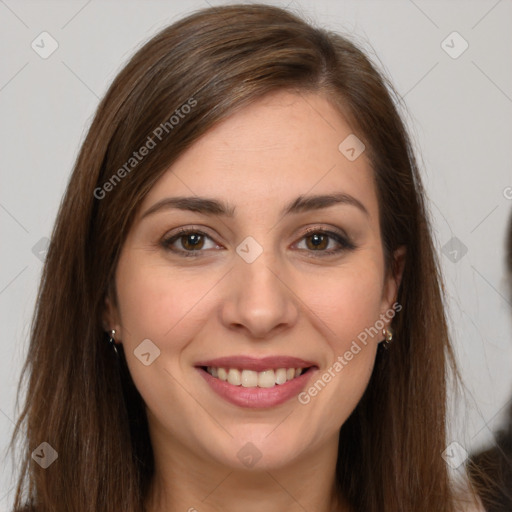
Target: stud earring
[[387, 332]]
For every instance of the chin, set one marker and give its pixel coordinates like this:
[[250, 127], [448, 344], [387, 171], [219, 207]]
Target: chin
[[256, 450]]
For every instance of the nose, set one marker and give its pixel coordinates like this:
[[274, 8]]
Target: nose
[[258, 300]]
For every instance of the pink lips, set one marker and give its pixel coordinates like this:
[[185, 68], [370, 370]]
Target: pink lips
[[257, 397]]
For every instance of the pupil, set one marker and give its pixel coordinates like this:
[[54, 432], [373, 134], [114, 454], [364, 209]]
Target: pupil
[[192, 240]]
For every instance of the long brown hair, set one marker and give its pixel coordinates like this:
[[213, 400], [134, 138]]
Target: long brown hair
[[78, 400]]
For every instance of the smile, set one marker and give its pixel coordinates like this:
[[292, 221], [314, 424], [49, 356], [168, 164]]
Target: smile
[[253, 379], [256, 383]]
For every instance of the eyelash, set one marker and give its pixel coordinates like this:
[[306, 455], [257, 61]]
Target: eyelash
[[345, 244]]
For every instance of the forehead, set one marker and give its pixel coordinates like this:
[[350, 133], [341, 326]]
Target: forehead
[[279, 147]]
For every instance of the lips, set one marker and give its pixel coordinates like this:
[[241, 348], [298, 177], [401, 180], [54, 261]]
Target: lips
[[256, 364], [249, 395]]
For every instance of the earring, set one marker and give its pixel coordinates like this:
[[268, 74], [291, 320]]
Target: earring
[[387, 332], [112, 341]]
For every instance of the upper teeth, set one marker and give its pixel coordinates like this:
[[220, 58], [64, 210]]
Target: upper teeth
[[251, 379]]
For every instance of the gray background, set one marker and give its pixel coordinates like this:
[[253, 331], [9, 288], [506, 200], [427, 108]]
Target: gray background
[[459, 114]]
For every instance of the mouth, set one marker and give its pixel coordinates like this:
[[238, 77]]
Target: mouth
[[253, 379], [257, 383]]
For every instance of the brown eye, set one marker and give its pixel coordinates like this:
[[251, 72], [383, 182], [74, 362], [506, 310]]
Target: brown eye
[[318, 240], [192, 241], [187, 242]]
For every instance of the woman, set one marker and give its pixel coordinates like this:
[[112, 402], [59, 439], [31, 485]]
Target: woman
[[241, 306]]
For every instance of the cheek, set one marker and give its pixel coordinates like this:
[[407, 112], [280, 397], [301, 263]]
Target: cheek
[[156, 304], [349, 303], [166, 306], [155, 301]]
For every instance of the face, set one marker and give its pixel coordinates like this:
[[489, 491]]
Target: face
[[262, 276]]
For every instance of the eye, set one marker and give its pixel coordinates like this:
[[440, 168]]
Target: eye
[[191, 241], [317, 240]]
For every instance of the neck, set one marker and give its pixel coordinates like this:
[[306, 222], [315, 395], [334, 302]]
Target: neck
[[186, 481]]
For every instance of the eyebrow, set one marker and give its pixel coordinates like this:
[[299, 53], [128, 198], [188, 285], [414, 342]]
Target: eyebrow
[[210, 206]]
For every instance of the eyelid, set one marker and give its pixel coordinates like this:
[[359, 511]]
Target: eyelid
[[323, 229]]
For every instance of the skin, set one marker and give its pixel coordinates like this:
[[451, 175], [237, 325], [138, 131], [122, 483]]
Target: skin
[[289, 301]]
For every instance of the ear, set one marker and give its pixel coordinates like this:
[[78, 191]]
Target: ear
[[110, 317], [393, 279]]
